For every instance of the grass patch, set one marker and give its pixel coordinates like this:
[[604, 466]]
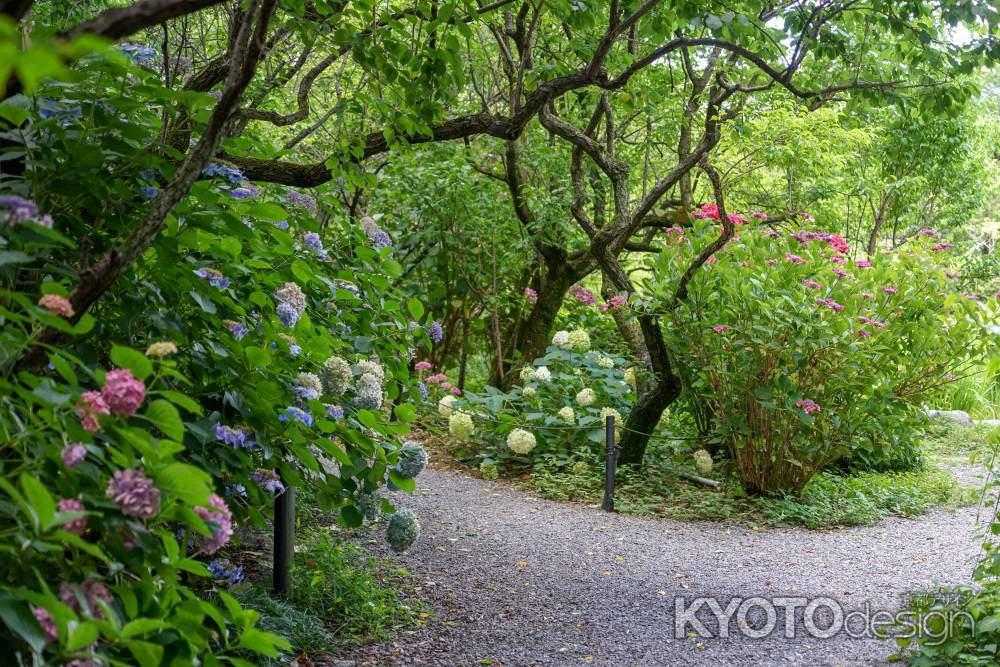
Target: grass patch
[[972, 444], [340, 597], [828, 500]]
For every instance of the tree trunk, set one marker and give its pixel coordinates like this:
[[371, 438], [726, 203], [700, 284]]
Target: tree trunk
[[534, 335]]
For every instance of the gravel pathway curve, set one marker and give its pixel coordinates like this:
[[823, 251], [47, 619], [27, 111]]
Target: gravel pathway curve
[[514, 580]]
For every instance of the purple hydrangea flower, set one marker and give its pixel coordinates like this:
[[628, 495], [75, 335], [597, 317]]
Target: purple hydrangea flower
[[245, 191], [435, 332], [282, 225], [301, 200], [234, 437], [313, 240], [135, 494], [235, 328], [231, 174], [268, 480], [221, 570], [422, 388], [334, 411], [219, 520], [236, 490], [73, 453], [379, 239]]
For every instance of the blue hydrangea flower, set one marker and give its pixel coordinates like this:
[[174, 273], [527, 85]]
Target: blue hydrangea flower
[[141, 55], [313, 240], [221, 570], [234, 437], [268, 480], [148, 174], [231, 174], [214, 277], [334, 411], [422, 388], [245, 191], [236, 490], [282, 225], [287, 314], [237, 329], [435, 332], [302, 200], [297, 414], [379, 239], [148, 191]]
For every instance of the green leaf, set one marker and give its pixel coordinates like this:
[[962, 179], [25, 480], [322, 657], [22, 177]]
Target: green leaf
[[183, 400], [301, 270], [262, 642], [258, 357], [403, 483], [14, 257], [18, 618], [186, 482], [39, 498], [416, 308], [351, 516], [82, 635], [166, 418], [135, 361]]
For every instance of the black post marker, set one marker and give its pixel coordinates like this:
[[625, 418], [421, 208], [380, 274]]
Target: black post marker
[[610, 462], [284, 540]]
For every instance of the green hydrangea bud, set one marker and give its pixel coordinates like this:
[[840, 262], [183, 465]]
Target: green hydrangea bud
[[403, 530]]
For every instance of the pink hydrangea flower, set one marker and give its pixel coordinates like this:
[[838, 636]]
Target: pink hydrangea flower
[[616, 302], [423, 365], [93, 404], [438, 377], [927, 232], [807, 405], [135, 494], [720, 328], [78, 526], [456, 391], [72, 454], [219, 520], [91, 591], [838, 259], [863, 264], [123, 392], [794, 259], [812, 284], [583, 295], [48, 623], [57, 305], [531, 294]]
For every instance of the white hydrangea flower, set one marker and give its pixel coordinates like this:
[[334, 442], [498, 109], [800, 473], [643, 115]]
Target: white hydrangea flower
[[372, 367], [578, 340], [527, 374], [580, 468], [586, 397], [605, 362], [489, 471], [521, 441], [611, 412], [336, 375], [529, 392], [703, 461], [445, 405], [460, 426], [542, 374], [630, 377], [561, 339], [567, 415]]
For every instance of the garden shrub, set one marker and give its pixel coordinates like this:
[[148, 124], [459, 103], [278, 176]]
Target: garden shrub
[[250, 347], [554, 417], [834, 358]]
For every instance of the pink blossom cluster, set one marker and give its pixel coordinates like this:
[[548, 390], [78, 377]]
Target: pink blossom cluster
[[47, 622], [889, 289], [123, 392], [841, 273], [531, 294], [92, 592], [447, 386], [770, 262], [135, 494], [57, 305], [711, 212], [807, 405], [869, 321], [830, 303], [219, 520], [583, 295], [675, 235], [79, 525], [944, 245], [794, 259], [812, 284], [92, 405], [835, 241], [614, 303], [838, 259], [772, 233], [863, 264], [864, 333], [423, 366], [437, 377], [721, 328], [442, 379], [73, 453], [928, 232], [760, 215]]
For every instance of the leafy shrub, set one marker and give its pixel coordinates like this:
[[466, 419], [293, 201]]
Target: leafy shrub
[[556, 413], [833, 360], [124, 471]]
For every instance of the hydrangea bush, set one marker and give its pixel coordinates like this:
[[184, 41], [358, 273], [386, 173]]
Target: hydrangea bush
[[834, 359], [553, 417], [272, 350]]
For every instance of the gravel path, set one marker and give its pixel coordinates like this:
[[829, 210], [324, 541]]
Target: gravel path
[[515, 580]]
